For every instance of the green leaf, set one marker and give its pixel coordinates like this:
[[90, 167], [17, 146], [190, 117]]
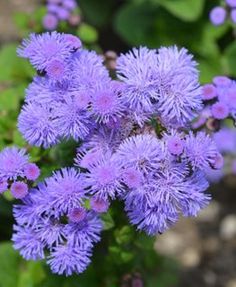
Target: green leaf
[[33, 274], [186, 10], [9, 265], [230, 59], [9, 100], [124, 235], [87, 33], [134, 22], [15, 68], [108, 221], [97, 12]]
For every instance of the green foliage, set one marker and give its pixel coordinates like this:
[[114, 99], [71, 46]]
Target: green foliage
[[87, 33], [186, 10]]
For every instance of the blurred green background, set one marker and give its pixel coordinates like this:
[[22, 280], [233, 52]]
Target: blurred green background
[[118, 25]]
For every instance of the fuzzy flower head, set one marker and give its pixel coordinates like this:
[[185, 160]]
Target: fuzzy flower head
[[65, 190], [106, 105], [44, 48], [201, 151], [19, 189], [104, 179], [99, 205], [220, 111], [67, 260], [31, 171], [37, 125], [137, 70], [142, 152], [218, 15], [209, 92], [179, 92], [71, 120], [12, 162], [77, 214]]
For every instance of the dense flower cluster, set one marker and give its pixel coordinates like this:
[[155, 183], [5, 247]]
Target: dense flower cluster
[[53, 223], [219, 14], [225, 140], [59, 10], [16, 172], [219, 102], [136, 145]]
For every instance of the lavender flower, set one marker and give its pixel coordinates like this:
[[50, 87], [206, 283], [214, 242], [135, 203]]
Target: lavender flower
[[12, 162], [231, 3], [218, 15], [137, 70], [65, 190], [31, 171], [50, 22], [220, 111], [42, 49], [38, 126], [142, 152], [66, 260], [179, 92], [28, 243], [19, 189], [200, 150]]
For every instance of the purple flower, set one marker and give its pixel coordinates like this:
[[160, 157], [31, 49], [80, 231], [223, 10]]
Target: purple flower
[[28, 243], [50, 231], [42, 49], [217, 15], [37, 125], [233, 15], [99, 205], [74, 41], [65, 259], [85, 232], [104, 179], [69, 4], [179, 96], [209, 92], [165, 197], [214, 175], [88, 70], [62, 13], [231, 3], [220, 111], [19, 189], [56, 70], [31, 171], [77, 215], [221, 81], [225, 140], [3, 185], [106, 105], [175, 145], [137, 70], [50, 22], [65, 190], [12, 162], [200, 150], [142, 152], [133, 178], [72, 121]]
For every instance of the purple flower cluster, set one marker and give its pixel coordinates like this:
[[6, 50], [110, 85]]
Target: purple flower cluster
[[53, 223], [225, 140], [219, 14], [16, 172], [58, 10], [219, 101], [136, 145]]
